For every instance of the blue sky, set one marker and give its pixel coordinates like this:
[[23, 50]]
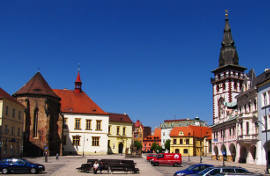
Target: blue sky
[[150, 59]]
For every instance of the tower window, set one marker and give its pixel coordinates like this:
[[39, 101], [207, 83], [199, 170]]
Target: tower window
[[35, 127]]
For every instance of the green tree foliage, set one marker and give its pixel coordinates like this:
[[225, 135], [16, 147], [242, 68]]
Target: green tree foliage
[[157, 148], [138, 145], [168, 144]]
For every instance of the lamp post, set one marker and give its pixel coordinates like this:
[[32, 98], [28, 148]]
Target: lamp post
[[266, 128], [223, 152], [201, 144]]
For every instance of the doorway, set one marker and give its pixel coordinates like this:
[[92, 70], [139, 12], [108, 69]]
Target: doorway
[[120, 147]]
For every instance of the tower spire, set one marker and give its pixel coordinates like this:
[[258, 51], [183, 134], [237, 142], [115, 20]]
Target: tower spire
[[228, 53], [78, 82]]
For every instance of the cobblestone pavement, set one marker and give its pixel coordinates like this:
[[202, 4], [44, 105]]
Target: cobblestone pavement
[[66, 166]]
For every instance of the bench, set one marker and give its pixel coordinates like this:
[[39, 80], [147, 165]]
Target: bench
[[111, 165]]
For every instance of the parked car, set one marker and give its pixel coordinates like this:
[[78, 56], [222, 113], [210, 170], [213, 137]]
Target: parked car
[[222, 169], [239, 174], [150, 156], [16, 165], [193, 169], [174, 159]]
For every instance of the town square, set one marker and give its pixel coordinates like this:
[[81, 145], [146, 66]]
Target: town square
[[128, 87]]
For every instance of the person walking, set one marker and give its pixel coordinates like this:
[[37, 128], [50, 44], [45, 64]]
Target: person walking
[[95, 167], [57, 156]]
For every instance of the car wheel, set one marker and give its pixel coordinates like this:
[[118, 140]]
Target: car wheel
[[175, 164], [156, 164], [4, 171], [33, 170]]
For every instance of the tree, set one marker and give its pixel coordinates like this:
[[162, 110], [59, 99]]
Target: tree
[[138, 145], [154, 146], [157, 148], [167, 144]]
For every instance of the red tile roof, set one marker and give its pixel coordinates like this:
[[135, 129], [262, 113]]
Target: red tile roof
[[37, 85], [5, 95], [157, 132], [124, 118], [195, 131], [79, 103]]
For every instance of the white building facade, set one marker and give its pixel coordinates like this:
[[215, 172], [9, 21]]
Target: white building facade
[[85, 134], [85, 129]]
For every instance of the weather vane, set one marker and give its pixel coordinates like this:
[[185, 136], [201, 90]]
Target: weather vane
[[79, 66], [226, 12]]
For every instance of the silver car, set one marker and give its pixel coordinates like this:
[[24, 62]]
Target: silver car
[[221, 170]]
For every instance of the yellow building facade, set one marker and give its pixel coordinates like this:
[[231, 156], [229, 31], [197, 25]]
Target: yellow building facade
[[119, 133], [11, 125], [189, 140]]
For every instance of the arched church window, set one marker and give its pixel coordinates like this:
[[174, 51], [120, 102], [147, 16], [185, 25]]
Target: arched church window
[[35, 125]]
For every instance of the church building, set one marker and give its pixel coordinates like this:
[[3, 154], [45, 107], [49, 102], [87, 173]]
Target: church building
[[43, 122]]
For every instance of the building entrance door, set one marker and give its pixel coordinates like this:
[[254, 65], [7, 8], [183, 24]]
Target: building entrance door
[[120, 148]]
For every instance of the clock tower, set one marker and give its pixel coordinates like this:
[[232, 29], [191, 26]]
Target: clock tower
[[228, 77]]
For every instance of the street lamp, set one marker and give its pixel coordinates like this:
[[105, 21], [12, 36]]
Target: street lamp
[[223, 152], [201, 144]]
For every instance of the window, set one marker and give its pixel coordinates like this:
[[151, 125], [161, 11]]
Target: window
[[12, 131], [6, 110], [19, 132], [185, 150], [19, 115], [181, 141], [95, 141], [187, 141], [228, 170], [13, 113], [247, 128], [64, 139], [124, 131], [35, 126], [265, 122], [98, 125], [65, 123], [264, 99], [88, 124], [6, 129], [255, 105], [109, 130], [77, 124], [174, 141], [117, 130], [76, 140]]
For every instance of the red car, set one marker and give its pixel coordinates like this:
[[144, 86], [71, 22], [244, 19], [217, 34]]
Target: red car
[[173, 159], [150, 156]]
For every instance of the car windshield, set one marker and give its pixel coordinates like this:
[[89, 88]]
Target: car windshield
[[205, 170], [191, 167]]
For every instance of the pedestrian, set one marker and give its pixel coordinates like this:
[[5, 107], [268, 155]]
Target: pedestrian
[[95, 167], [57, 156], [101, 166]]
